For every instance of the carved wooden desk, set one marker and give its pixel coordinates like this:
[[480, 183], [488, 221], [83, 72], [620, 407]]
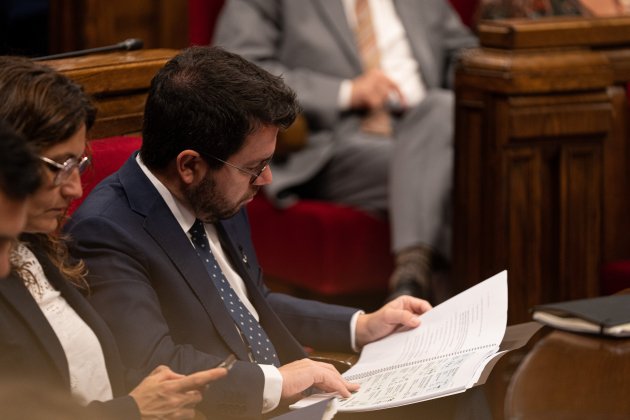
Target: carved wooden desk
[[541, 174], [559, 375]]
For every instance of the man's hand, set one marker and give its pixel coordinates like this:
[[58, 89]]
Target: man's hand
[[300, 375], [374, 90], [399, 314]]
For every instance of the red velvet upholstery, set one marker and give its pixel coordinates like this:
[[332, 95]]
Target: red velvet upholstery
[[202, 15], [107, 156], [615, 276], [321, 247], [466, 9]]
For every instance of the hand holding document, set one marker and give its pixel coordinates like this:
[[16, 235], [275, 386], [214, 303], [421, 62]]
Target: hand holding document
[[445, 355]]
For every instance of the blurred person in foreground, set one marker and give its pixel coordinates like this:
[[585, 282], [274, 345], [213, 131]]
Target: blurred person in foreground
[[19, 178]]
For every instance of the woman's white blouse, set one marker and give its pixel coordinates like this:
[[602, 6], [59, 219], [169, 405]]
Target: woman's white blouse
[[86, 362]]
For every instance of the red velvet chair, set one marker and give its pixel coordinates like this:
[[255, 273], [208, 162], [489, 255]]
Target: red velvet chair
[[108, 155], [317, 247]]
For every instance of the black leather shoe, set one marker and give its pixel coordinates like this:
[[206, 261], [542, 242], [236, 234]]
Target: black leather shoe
[[410, 287]]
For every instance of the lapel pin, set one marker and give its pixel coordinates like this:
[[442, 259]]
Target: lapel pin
[[243, 256]]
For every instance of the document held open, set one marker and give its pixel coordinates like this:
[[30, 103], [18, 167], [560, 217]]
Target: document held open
[[445, 355]]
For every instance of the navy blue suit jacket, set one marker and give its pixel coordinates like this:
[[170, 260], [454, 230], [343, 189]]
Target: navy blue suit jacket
[[31, 351], [154, 292]]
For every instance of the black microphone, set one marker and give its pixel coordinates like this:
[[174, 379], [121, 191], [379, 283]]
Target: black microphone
[[126, 45]]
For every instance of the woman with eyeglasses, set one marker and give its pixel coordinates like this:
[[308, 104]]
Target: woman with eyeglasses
[[49, 333]]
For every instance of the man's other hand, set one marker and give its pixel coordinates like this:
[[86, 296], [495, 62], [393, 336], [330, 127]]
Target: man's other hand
[[399, 314]]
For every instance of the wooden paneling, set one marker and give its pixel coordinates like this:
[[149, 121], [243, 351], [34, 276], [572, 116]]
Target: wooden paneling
[[541, 162], [581, 207], [556, 32], [80, 24], [119, 83]]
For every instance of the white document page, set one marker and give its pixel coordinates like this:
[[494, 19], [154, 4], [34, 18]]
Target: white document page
[[444, 355]]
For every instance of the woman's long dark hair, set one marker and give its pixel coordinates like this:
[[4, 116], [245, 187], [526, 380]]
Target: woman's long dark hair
[[46, 108]]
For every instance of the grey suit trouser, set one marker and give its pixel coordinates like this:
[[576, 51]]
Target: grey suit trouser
[[409, 177]]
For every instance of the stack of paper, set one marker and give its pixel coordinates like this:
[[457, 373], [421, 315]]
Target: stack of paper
[[444, 356]]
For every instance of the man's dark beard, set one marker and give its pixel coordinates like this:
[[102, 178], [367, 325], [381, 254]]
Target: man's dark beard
[[208, 206]]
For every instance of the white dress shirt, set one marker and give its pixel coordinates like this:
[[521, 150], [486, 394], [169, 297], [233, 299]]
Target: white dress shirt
[[397, 60]]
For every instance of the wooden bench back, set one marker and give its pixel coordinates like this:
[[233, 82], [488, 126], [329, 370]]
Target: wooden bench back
[[119, 83]]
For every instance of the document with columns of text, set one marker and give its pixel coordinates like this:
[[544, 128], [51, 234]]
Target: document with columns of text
[[445, 355]]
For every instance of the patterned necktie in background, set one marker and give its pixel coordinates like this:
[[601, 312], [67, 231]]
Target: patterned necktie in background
[[260, 346], [377, 121]]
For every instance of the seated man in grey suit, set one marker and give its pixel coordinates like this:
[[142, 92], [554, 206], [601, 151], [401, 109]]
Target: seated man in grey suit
[[171, 264], [373, 78]]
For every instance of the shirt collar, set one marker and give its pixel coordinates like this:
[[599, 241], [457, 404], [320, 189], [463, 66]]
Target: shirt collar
[[183, 215]]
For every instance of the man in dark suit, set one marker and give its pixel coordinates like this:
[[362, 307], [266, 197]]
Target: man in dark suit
[[353, 62], [173, 297]]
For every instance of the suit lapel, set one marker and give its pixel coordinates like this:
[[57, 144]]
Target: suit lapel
[[16, 294], [162, 226], [334, 15], [407, 11]]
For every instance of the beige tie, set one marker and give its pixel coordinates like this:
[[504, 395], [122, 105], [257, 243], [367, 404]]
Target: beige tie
[[377, 121]]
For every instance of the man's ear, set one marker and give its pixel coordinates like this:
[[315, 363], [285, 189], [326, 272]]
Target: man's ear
[[191, 167]]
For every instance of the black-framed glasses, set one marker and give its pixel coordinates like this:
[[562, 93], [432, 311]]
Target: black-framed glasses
[[255, 173], [63, 171]]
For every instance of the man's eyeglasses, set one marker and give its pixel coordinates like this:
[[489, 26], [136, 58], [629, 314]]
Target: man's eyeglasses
[[63, 171], [254, 173]]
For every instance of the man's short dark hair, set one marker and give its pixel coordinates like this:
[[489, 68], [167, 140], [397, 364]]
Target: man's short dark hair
[[19, 167], [209, 100]]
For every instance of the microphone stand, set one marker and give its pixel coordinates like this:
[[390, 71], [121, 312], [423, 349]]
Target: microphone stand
[[126, 45]]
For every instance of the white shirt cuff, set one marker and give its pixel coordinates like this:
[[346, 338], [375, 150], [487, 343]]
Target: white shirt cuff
[[272, 391], [345, 95], [353, 330]]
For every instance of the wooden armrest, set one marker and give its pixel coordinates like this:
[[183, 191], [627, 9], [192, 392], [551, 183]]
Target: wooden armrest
[[341, 361]]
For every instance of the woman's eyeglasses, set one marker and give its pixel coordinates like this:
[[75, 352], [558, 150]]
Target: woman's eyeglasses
[[63, 171]]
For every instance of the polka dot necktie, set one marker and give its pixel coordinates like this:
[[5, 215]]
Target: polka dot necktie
[[260, 346]]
